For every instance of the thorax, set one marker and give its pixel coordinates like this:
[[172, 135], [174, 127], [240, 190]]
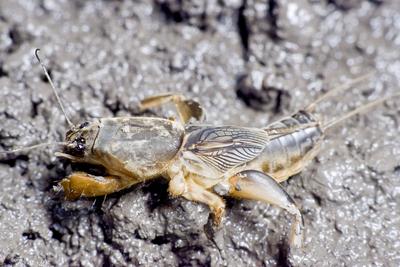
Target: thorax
[[139, 146]]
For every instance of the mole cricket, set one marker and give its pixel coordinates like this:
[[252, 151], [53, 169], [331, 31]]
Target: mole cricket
[[202, 163]]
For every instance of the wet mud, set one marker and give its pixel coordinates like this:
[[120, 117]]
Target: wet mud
[[248, 62]]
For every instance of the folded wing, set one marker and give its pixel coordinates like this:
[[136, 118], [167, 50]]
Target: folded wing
[[226, 147]]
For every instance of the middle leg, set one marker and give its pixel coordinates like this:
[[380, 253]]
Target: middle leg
[[187, 108], [189, 189]]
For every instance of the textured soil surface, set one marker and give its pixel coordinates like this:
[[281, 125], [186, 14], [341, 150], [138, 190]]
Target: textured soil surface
[[249, 63]]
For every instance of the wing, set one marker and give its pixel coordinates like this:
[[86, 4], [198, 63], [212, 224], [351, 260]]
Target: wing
[[226, 147]]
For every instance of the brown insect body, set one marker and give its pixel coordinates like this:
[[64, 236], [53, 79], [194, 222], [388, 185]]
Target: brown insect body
[[201, 162]]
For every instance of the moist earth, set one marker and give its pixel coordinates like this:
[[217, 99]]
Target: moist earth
[[249, 63]]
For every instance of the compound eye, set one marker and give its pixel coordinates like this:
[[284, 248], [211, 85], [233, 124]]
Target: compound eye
[[80, 147]]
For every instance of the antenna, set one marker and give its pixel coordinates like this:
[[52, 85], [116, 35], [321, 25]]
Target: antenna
[[338, 89], [358, 110], [53, 87], [22, 149]]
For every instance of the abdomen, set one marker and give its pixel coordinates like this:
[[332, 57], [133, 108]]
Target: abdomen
[[287, 154]]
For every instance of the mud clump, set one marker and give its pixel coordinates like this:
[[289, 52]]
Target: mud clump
[[248, 62]]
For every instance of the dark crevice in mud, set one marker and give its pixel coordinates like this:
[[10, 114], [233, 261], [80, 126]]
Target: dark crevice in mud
[[264, 99], [272, 17], [3, 73], [344, 5], [230, 202], [361, 50], [12, 160], [137, 235], [317, 198], [56, 234], [9, 116], [243, 29], [159, 195], [158, 240], [164, 239], [170, 14], [203, 21], [114, 106], [174, 12], [35, 107], [376, 2], [43, 77], [106, 225], [43, 7], [11, 260], [280, 100], [79, 4], [106, 261], [282, 258], [31, 235], [18, 37], [397, 169]]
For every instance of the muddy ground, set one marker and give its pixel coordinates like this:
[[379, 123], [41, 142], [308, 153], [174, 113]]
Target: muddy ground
[[249, 63]]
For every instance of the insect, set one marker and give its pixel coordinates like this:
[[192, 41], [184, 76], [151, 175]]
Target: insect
[[203, 163]]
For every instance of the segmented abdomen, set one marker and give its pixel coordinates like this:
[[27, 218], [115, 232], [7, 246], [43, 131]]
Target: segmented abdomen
[[286, 154]]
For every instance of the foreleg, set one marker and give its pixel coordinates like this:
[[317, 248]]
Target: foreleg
[[81, 184]]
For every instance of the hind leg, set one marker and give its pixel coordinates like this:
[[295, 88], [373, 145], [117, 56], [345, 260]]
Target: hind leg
[[256, 185]]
